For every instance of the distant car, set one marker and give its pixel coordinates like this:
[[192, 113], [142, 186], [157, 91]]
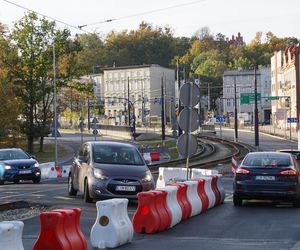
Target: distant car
[[267, 175], [294, 152], [16, 165], [107, 169]]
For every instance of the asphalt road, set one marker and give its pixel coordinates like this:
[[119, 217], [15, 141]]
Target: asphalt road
[[255, 225]]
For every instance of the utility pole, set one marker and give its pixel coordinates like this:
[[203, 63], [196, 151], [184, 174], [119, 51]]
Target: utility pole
[[235, 113], [88, 113], [208, 96], [255, 111], [179, 102], [55, 112], [128, 101], [163, 136], [143, 102]]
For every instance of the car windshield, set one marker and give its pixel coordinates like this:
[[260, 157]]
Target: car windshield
[[116, 154], [13, 154], [267, 160]]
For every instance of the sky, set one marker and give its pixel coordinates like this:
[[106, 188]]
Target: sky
[[185, 17]]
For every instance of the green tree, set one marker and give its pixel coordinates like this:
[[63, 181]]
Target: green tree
[[34, 39]]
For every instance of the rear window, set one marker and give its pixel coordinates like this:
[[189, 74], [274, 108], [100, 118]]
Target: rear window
[[267, 160]]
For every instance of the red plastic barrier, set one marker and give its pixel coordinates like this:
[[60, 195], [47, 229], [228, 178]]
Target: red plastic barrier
[[162, 209], [71, 229], [183, 201], [146, 218], [203, 196], [155, 156], [78, 230], [215, 189], [52, 235], [58, 171]]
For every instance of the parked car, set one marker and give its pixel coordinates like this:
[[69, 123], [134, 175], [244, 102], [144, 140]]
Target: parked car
[[294, 152], [16, 165], [107, 169], [267, 175]]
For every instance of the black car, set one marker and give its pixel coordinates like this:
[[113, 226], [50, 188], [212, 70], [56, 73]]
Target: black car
[[267, 175], [16, 165], [108, 169]]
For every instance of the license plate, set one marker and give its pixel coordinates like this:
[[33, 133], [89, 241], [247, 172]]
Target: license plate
[[125, 188], [265, 178], [25, 172]]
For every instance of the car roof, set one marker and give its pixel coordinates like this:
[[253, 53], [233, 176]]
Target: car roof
[[268, 153], [289, 150], [5, 149], [111, 143]]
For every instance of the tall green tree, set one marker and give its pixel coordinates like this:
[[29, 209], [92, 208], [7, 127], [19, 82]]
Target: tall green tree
[[34, 39]]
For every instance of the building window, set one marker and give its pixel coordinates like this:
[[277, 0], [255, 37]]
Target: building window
[[228, 102]]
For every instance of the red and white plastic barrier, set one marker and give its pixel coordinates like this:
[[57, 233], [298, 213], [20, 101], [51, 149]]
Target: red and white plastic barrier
[[193, 197], [11, 235], [172, 204], [112, 228], [60, 230], [234, 164]]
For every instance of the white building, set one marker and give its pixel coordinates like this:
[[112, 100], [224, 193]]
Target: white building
[[244, 80], [115, 86]]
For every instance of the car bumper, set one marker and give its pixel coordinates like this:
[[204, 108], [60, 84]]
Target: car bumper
[[101, 189], [15, 175], [254, 191]]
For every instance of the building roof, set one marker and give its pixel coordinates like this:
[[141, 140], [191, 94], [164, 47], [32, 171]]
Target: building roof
[[133, 67]]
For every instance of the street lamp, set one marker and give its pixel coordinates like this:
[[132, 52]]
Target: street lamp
[[235, 113], [54, 104], [256, 134]]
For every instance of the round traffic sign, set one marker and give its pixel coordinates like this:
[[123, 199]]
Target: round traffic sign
[[185, 93], [187, 145], [183, 119]]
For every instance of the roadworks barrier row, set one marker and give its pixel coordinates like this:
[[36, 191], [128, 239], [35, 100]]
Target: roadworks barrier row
[[50, 171], [167, 206]]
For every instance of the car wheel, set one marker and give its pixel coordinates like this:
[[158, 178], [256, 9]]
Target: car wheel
[[86, 195], [71, 190], [237, 201], [16, 181], [36, 180]]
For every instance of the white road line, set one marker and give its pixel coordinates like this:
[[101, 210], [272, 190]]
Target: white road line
[[30, 193]]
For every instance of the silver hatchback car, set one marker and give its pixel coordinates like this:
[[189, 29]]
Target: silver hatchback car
[[109, 169]]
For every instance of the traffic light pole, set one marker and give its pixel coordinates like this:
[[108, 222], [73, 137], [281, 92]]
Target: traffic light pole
[[163, 135], [235, 114], [255, 111]]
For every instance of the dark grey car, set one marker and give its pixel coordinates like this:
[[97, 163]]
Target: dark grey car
[[108, 169]]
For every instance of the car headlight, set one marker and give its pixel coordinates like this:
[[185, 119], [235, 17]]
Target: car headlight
[[98, 174], [36, 165], [148, 177], [7, 167]]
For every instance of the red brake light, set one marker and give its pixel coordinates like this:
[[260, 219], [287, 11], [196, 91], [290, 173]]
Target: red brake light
[[242, 171], [289, 172]]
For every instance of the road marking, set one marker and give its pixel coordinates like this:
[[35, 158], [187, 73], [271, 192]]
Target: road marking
[[63, 198], [30, 193]]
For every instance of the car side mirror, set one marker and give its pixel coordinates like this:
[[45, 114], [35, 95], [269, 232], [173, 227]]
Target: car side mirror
[[148, 162], [298, 157], [33, 157]]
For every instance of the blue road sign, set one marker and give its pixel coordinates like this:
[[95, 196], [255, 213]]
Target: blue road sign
[[220, 119], [292, 120]]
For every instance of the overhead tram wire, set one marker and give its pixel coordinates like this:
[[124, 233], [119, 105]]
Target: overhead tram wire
[[49, 17], [142, 13]]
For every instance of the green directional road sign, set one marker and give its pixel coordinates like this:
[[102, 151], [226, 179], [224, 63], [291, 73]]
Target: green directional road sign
[[273, 98], [248, 98]]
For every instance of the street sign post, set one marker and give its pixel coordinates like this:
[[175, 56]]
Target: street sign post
[[188, 120], [220, 119]]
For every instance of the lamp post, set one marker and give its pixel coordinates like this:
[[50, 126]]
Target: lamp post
[[235, 113], [255, 111], [54, 104]]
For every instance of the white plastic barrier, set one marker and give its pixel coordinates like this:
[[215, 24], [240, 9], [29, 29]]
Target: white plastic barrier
[[197, 172], [47, 170], [11, 235], [111, 228], [173, 204], [169, 175], [147, 157], [209, 192], [193, 197], [65, 171], [221, 188]]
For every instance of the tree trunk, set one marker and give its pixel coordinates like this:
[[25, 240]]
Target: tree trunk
[[41, 144]]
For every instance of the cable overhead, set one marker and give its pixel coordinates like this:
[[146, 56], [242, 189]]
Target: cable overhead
[[49, 17], [144, 13]]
